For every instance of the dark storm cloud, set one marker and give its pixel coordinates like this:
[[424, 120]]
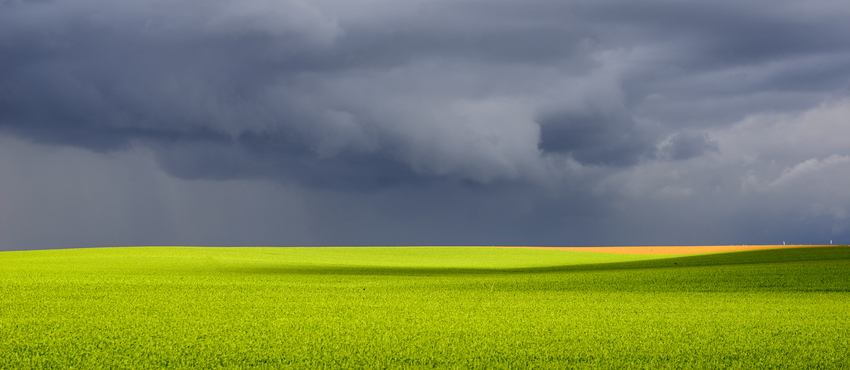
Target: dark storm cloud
[[549, 111], [102, 75], [596, 138]]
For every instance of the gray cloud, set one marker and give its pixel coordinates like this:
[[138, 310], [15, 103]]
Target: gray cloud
[[532, 115], [687, 145]]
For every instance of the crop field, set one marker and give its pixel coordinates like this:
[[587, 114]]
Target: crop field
[[423, 307]]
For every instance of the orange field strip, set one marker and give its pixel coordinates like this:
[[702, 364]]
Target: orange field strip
[[676, 249]]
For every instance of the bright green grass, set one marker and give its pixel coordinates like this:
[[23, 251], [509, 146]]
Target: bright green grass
[[422, 308]]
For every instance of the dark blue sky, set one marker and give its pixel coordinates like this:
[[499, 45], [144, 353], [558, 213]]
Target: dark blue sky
[[260, 122]]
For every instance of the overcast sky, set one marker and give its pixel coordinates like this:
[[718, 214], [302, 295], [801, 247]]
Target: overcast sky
[[385, 122]]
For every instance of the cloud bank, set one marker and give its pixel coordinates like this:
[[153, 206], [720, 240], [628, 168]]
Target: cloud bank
[[423, 122]]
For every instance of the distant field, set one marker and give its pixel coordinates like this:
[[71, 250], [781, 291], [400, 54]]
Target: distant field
[[698, 249], [423, 307]]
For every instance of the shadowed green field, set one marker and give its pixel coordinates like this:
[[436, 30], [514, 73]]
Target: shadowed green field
[[422, 308]]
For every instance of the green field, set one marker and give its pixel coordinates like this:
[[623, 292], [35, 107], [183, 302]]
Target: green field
[[423, 308]]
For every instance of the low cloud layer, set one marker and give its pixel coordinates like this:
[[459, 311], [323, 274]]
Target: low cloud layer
[[424, 122]]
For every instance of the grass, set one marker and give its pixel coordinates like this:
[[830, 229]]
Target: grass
[[423, 308]]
